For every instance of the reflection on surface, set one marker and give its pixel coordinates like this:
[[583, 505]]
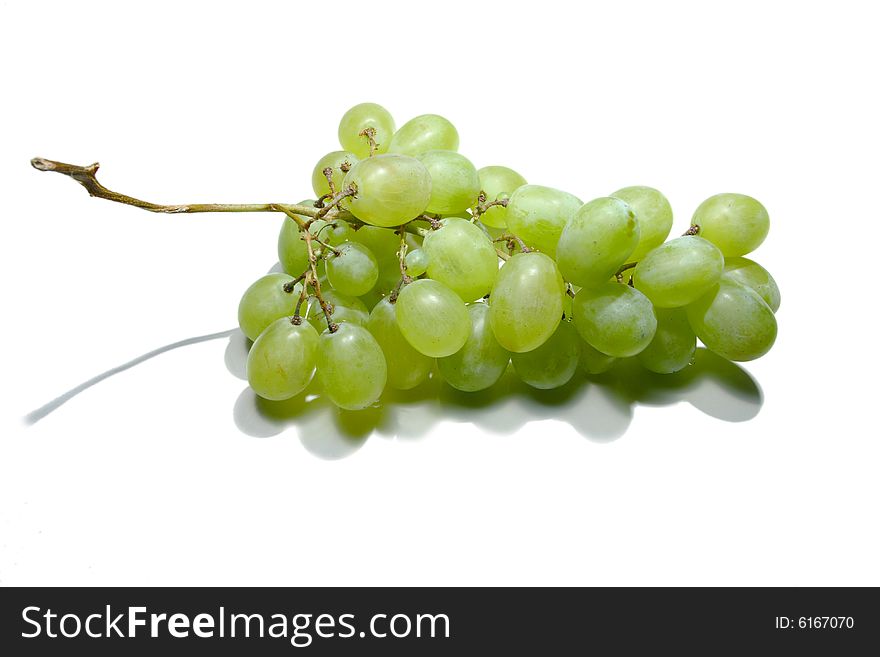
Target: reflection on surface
[[44, 410], [599, 408]]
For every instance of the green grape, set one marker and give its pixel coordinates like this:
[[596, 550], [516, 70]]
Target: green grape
[[674, 343], [526, 303], [593, 361], [597, 241], [333, 233], [281, 362], [733, 321], [381, 242], [335, 161], [753, 275], [616, 319], [537, 215], [357, 119], [454, 181], [653, 213], [351, 367], [735, 223], [416, 262], [354, 271], [264, 302], [553, 363], [462, 257], [293, 254], [407, 367], [679, 271], [481, 361], [498, 181], [391, 189], [432, 318], [428, 132]]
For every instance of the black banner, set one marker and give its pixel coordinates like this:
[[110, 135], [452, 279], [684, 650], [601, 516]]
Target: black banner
[[418, 621]]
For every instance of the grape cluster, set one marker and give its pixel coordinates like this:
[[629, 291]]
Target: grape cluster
[[412, 260]]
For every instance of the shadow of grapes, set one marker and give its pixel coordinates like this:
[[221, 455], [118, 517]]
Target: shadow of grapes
[[599, 408]]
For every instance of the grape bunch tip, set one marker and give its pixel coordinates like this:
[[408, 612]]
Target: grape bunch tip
[[409, 262]]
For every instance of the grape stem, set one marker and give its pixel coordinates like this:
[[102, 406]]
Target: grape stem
[[296, 320], [328, 174], [85, 176], [370, 134], [512, 241], [482, 205], [693, 230]]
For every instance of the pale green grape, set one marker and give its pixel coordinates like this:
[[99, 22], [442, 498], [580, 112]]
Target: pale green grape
[[360, 117], [354, 271], [335, 161], [679, 271], [753, 275], [432, 318], [293, 254], [407, 367], [653, 213], [735, 223], [481, 361], [462, 257], [428, 132], [334, 233], [351, 367], [498, 181], [593, 361], [597, 241], [454, 182], [416, 262], [281, 362], [391, 189], [733, 321], [674, 343], [526, 303], [537, 215], [264, 302], [345, 309], [615, 319], [553, 363]]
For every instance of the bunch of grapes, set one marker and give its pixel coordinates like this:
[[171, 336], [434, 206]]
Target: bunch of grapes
[[411, 260]]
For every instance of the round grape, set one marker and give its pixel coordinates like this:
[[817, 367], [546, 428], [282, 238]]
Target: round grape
[[462, 257], [353, 270], [674, 343], [391, 189], [454, 181], [679, 271], [553, 363], [337, 160], [432, 318], [281, 362], [753, 275], [735, 223], [653, 213], [616, 319], [427, 132], [481, 361], [264, 302], [351, 367], [359, 118], [537, 215], [407, 367], [497, 181]]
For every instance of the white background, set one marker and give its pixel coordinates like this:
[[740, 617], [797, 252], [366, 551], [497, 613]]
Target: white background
[[169, 472]]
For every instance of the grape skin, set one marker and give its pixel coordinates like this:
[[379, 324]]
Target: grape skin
[[353, 270], [537, 215], [455, 184], [407, 367], [480, 363], [334, 160], [264, 302], [526, 303], [351, 367], [753, 275], [597, 241], [674, 343], [391, 189], [357, 119], [428, 132], [553, 363], [281, 362], [737, 224], [653, 213], [733, 321], [616, 319], [679, 271], [461, 257], [432, 318], [496, 181]]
